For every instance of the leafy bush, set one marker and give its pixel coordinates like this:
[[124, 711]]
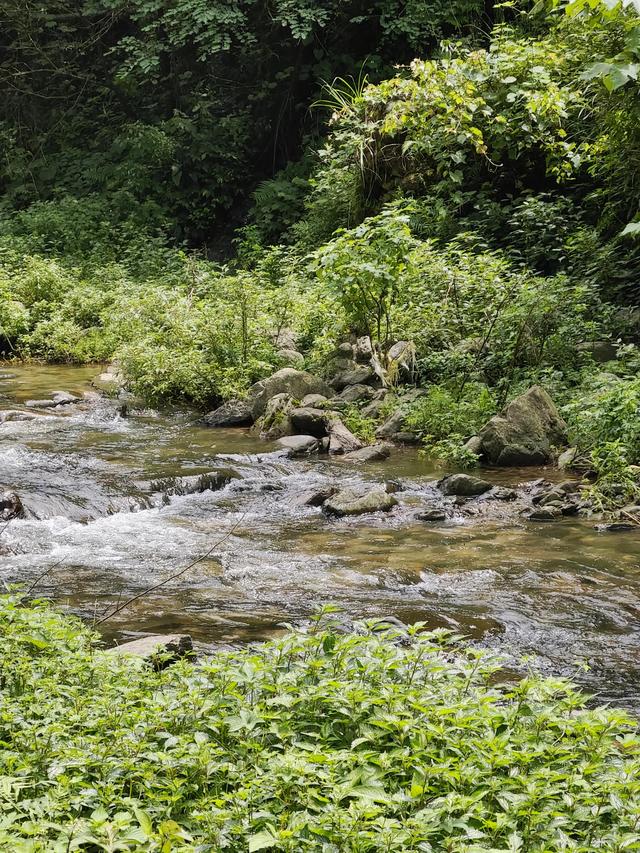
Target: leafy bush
[[365, 266], [607, 409], [360, 425], [444, 419], [314, 741]]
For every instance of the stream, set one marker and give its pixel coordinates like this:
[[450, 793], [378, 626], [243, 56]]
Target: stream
[[109, 508]]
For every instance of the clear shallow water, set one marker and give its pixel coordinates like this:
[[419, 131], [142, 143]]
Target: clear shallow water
[[563, 593]]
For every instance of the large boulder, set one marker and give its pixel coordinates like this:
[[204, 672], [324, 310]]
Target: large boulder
[[276, 420], [525, 432], [296, 383], [357, 502], [231, 414]]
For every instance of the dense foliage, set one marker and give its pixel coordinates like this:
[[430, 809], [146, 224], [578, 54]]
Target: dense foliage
[[177, 109], [479, 202], [317, 741]]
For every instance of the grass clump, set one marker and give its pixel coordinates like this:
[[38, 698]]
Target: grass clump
[[317, 741]]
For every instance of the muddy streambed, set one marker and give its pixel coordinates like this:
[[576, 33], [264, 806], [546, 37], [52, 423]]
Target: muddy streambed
[[105, 508]]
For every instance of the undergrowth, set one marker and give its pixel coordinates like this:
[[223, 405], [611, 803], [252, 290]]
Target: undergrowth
[[318, 741]]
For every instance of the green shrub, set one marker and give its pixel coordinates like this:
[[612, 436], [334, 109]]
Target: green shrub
[[444, 419], [360, 425], [365, 267], [316, 741]]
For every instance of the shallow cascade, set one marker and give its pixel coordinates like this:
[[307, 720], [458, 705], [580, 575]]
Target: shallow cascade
[[114, 504]]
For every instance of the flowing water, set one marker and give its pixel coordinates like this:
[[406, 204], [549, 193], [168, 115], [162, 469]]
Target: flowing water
[[114, 504]]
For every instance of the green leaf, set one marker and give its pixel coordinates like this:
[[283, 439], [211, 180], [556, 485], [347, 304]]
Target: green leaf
[[261, 841]]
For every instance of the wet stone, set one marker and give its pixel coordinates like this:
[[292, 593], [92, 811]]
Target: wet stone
[[546, 513], [314, 497], [463, 485], [503, 494], [10, 506], [41, 404], [373, 453], [354, 502], [431, 514], [64, 398], [15, 415]]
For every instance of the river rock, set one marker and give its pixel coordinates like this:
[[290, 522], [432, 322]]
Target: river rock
[[392, 425], [296, 383], [355, 393], [193, 484], [546, 513], [110, 381], [315, 497], [354, 374], [341, 439], [310, 421], [276, 420], [160, 650], [64, 398], [463, 485], [372, 453], [363, 350], [373, 409], [286, 338], [500, 493], [525, 432], [312, 401], [474, 445], [230, 414], [299, 445], [290, 357], [345, 350], [10, 506], [431, 514], [41, 404], [567, 457], [357, 502]]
